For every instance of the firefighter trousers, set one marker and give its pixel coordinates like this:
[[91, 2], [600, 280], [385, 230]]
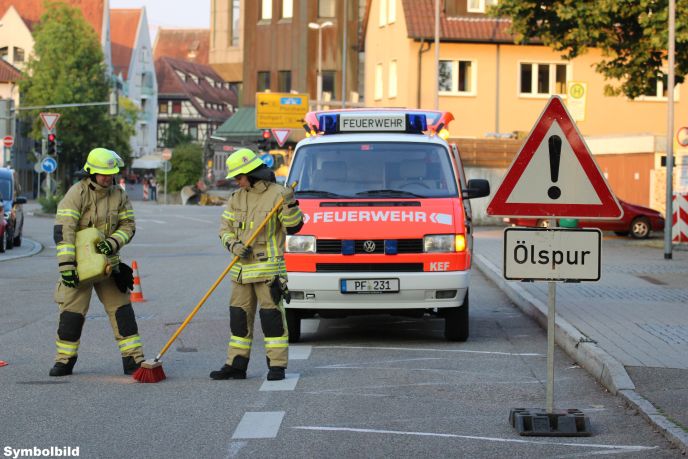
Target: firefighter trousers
[[73, 304], [242, 313]]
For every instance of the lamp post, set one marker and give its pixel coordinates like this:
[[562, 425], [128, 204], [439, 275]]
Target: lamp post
[[319, 28]]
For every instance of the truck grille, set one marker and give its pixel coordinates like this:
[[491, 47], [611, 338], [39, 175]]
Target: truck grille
[[368, 267], [403, 246]]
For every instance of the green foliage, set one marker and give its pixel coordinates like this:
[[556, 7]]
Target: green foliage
[[49, 204], [67, 67], [632, 35], [173, 135], [187, 167]]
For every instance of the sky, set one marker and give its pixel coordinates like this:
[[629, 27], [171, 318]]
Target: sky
[[180, 14]]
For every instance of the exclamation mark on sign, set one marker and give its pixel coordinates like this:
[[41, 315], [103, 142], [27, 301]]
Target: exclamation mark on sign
[[554, 156]]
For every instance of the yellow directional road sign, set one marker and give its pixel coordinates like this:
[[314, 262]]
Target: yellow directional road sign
[[280, 110]]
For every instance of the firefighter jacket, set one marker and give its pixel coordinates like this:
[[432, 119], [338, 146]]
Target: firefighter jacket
[[88, 204], [244, 212]]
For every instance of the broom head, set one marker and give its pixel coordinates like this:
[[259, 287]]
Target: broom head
[[150, 371]]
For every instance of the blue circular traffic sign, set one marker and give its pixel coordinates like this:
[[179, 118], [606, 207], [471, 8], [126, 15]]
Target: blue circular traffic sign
[[49, 165], [267, 159]]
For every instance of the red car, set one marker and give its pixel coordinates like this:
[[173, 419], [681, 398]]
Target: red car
[[3, 226], [637, 221]]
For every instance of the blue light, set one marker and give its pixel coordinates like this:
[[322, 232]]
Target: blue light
[[416, 122], [348, 247], [391, 247], [329, 124]]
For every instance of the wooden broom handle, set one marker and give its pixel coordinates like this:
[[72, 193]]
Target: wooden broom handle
[[219, 279]]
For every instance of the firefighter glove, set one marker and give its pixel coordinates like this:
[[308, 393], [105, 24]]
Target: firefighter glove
[[279, 290], [70, 278], [107, 246], [239, 249], [123, 276]]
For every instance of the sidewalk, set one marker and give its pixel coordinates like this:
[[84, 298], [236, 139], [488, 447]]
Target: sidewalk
[[629, 330]]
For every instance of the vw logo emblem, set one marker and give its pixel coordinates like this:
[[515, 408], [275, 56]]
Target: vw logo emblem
[[369, 246]]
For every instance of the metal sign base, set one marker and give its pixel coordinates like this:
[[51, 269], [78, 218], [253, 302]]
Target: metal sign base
[[537, 422]]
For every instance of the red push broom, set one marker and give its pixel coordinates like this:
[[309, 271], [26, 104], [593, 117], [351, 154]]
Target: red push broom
[[151, 371]]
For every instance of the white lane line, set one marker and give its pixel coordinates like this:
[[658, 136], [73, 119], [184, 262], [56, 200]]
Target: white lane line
[[259, 424], [288, 383], [193, 219], [421, 349], [309, 325], [299, 352], [475, 437], [146, 220]]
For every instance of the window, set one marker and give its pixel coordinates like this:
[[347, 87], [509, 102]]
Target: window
[[457, 77], [479, 6], [326, 8], [378, 82], [328, 79], [4, 53], [392, 85], [266, 10], [234, 21], [287, 9], [284, 81], [176, 106], [392, 12], [162, 108], [542, 79], [193, 132], [263, 83], [18, 54], [383, 13]]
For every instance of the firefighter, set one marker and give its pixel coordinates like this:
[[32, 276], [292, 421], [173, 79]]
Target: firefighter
[[259, 276], [95, 201]]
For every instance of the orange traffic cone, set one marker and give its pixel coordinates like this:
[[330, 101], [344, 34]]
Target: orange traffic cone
[[136, 293]]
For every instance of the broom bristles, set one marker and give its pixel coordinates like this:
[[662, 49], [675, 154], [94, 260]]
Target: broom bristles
[[150, 371]]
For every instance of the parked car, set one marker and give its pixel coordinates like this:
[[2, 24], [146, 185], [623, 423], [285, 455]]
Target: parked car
[[637, 221], [3, 225], [12, 209]]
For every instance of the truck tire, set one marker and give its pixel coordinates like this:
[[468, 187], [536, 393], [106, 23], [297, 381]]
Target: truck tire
[[293, 325], [456, 322], [17, 241], [2, 242], [9, 238]]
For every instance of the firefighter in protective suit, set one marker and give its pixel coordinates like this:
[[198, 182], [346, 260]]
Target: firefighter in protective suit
[[95, 201], [259, 276]]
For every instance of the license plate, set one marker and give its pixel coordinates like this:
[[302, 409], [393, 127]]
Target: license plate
[[369, 285]]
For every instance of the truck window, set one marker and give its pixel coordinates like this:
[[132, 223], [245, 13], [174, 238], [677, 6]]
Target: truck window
[[375, 169]]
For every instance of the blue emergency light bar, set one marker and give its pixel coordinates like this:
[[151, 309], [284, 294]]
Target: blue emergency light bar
[[337, 123]]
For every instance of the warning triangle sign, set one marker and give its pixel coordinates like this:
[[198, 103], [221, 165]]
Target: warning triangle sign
[[50, 120], [554, 174], [281, 135]]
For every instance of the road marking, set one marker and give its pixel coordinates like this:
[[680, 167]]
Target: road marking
[[235, 447], [194, 219], [420, 349], [288, 383], [309, 325], [475, 437], [299, 352], [146, 220], [259, 424]]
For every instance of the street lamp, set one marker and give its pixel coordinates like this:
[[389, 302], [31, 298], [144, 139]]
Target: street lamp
[[319, 28]]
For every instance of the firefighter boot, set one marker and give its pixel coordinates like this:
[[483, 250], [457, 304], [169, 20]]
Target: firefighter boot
[[130, 365], [63, 369], [276, 374], [228, 372]]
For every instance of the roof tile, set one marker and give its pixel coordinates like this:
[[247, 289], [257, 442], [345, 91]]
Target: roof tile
[[32, 10], [124, 24], [185, 44]]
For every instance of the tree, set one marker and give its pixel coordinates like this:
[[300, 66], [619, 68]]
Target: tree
[[173, 135], [67, 66], [187, 167], [631, 34]]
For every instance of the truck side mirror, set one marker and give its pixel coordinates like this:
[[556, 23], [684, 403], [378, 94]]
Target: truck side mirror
[[477, 188], [20, 200]]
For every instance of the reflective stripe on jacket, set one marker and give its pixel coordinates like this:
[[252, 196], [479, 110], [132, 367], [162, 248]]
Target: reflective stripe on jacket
[[243, 214], [85, 205]]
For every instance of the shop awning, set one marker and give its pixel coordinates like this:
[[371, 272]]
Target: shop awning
[[241, 125]]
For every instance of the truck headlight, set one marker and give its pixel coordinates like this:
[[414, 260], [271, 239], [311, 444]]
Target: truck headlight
[[444, 243], [300, 244]]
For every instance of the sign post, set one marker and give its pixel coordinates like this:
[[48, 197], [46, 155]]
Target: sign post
[[553, 176]]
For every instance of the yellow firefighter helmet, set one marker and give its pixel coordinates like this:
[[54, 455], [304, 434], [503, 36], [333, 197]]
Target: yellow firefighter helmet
[[242, 161], [103, 161]]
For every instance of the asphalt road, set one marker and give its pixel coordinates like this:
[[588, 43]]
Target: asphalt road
[[376, 386]]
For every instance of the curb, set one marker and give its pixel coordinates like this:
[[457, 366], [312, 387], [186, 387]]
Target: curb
[[602, 366], [37, 247]]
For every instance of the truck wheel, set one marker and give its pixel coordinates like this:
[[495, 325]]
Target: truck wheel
[[456, 322], [17, 241], [2, 242], [293, 325], [9, 238]]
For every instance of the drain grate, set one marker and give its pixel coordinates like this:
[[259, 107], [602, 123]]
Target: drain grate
[[670, 334]]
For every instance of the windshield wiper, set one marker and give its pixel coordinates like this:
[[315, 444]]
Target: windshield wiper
[[326, 194], [389, 192]]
